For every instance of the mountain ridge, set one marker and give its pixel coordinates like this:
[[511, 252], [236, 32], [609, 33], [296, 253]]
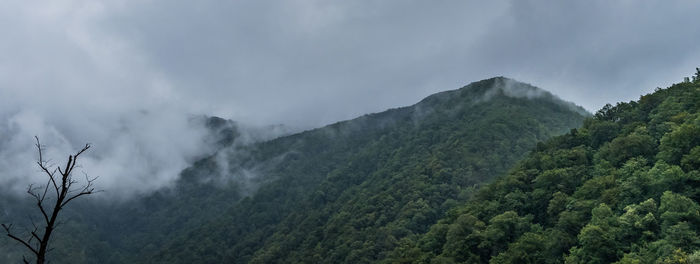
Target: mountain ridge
[[620, 189], [255, 202], [475, 92], [390, 129]]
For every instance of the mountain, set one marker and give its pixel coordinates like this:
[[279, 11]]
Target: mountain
[[624, 188], [347, 192], [350, 192]]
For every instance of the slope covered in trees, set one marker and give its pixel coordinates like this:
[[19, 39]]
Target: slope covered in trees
[[621, 189], [347, 193]]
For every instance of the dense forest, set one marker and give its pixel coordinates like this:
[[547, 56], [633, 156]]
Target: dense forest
[[621, 189], [495, 172], [351, 192], [349, 132]]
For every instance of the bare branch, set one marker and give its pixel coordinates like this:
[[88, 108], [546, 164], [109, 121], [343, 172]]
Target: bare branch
[[86, 147], [9, 234], [76, 196], [64, 193], [33, 232], [46, 189], [39, 201], [36, 236], [38, 146], [43, 165]]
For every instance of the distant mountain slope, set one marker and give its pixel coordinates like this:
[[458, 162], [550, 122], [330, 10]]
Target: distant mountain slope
[[624, 188], [348, 192], [345, 193]]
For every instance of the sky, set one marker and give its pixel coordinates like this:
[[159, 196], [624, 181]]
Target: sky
[[128, 75]]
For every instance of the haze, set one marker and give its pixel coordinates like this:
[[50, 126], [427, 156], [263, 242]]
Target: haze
[[128, 76]]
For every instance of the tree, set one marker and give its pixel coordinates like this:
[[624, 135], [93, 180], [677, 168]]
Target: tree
[[598, 241], [50, 199]]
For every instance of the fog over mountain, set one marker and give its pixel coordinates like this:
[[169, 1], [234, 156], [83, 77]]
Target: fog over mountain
[[128, 76]]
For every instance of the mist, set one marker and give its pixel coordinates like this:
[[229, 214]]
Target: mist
[[70, 83], [515, 89], [129, 76], [132, 152]]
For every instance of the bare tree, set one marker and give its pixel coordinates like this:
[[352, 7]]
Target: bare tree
[[51, 198]]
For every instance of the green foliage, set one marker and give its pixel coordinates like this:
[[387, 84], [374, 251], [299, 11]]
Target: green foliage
[[407, 186], [351, 192], [623, 148], [621, 189], [678, 143]]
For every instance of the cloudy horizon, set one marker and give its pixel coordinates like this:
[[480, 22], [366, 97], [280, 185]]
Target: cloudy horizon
[[125, 75]]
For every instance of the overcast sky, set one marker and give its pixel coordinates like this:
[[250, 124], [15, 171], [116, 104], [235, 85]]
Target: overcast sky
[[75, 71]]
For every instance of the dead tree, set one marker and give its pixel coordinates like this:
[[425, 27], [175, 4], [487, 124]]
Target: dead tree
[[51, 198]]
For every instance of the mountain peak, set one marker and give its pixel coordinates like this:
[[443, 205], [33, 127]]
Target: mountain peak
[[485, 90]]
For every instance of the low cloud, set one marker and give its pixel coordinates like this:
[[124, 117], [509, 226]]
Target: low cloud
[[516, 89], [132, 153], [68, 82], [127, 76]]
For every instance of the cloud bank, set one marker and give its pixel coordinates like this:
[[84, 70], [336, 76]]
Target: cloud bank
[[128, 75], [68, 82]]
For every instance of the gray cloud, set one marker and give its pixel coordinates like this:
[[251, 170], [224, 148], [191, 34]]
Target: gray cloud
[[314, 62], [126, 75], [67, 81]]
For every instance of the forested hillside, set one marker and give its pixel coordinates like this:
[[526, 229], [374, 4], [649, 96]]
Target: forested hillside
[[349, 192], [621, 189], [346, 193]]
